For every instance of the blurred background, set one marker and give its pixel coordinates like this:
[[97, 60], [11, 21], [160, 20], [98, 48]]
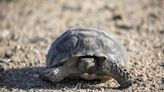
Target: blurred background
[[28, 27]]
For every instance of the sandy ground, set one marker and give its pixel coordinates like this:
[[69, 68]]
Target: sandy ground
[[28, 27]]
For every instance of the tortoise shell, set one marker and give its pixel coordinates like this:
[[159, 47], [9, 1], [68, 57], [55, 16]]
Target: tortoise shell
[[77, 42]]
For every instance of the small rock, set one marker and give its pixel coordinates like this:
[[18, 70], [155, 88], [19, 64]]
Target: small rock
[[162, 80], [124, 25], [4, 89], [162, 64], [117, 17], [5, 60], [71, 7], [161, 31], [8, 54], [1, 16], [1, 68], [102, 89], [36, 39], [159, 44], [153, 16], [4, 34], [15, 37]]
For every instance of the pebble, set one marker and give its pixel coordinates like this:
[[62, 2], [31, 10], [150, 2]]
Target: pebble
[[159, 44], [162, 81], [4, 34], [5, 60], [162, 64], [8, 54], [1, 68], [102, 89], [117, 17], [124, 25], [4, 90], [71, 8], [153, 16], [36, 39]]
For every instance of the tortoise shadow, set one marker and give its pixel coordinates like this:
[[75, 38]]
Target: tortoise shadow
[[28, 78]]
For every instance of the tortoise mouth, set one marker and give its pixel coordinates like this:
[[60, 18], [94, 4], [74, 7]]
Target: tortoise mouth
[[98, 58], [87, 56]]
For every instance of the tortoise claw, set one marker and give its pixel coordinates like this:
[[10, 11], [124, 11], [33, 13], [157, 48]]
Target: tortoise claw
[[119, 73], [51, 75]]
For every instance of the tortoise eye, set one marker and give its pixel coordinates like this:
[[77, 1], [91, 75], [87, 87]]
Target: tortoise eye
[[68, 43]]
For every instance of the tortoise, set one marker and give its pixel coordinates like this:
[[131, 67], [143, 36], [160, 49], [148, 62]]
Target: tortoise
[[87, 53]]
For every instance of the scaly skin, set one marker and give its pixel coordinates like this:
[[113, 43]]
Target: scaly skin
[[118, 73], [58, 73]]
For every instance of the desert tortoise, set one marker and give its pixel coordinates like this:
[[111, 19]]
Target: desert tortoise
[[89, 54]]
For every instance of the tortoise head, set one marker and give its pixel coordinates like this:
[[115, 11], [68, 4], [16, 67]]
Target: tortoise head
[[87, 64]]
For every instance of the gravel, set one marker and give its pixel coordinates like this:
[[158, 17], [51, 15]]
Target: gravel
[[28, 27]]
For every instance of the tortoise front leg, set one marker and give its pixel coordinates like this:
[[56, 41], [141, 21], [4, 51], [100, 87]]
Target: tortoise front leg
[[117, 72], [57, 74]]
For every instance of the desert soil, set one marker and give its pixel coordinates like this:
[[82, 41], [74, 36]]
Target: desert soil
[[28, 27]]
